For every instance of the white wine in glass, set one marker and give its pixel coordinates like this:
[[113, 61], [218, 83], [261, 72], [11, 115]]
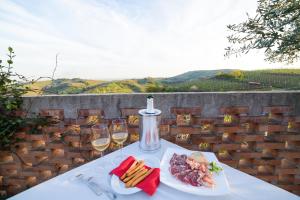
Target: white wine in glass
[[101, 144], [100, 137], [120, 138], [119, 135]]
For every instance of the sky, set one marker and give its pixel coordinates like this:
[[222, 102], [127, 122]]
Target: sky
[[119, 39]]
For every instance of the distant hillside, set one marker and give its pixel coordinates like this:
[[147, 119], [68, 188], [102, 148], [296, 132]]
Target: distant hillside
[[194, 75], [77, 86], [202, 80]]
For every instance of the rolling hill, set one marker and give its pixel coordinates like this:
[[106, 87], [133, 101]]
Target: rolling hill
[[201, 80], [194, 75]]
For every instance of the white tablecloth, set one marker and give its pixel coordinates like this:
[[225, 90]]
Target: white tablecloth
[[243, 186]]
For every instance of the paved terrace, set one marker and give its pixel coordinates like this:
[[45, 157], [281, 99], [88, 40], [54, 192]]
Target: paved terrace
[[255, 132]]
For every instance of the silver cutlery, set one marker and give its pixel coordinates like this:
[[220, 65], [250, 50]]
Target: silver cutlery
[[95, 187]]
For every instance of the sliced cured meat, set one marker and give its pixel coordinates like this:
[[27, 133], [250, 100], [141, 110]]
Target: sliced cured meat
[[178, 168], [178, 159], [190, 171]]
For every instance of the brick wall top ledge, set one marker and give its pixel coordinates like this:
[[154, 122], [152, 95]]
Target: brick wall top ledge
[[209, 102]]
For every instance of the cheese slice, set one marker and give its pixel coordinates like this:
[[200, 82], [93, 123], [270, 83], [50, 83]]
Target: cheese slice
[[199, 157]]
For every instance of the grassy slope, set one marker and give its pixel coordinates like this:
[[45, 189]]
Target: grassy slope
[[194, 75], [286, 79], [202, 80]]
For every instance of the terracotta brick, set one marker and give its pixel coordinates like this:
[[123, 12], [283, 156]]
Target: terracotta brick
[[129, 111], [14, 189], [226, 147], [55, 145], [273, 158], [287, 154], [168, 121], [253, 119], [10, 172], [164, 130], [71, 155], [20, 135], [297, 119], [187, 110], [20, 113], [28, 173], [39, 153], [290, 137], [232, 163], [190, 130], [200, 121], [270, 145], [229, 129], [13, 181], [251, 171], [183, 119], [133, 120], [55, 113], [197, 138], [44, 166], [72, 138], [297, 180], [277, 109], [57, 152], [90, 112], [60, 161], [6, 158], [287, 171], [266, 162], [272, 128], [268, 178], [248, 138], [36, 137], [291, 187], [53, 129], [247, 155], [234, 110]]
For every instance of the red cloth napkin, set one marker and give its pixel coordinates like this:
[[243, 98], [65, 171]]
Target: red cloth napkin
[[148, 185]]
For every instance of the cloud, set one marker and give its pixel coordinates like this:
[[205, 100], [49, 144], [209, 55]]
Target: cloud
[[107, 39]]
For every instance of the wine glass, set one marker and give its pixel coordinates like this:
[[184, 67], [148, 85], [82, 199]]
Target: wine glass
[[100, 137], [119, 134]]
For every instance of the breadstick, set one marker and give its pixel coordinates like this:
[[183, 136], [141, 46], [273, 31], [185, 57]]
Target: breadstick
[[141, 178], [132, 175], [129, 169], [133, 167], [136, 168], [144, 171]]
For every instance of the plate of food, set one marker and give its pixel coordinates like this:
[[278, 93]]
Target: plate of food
[[193, 172], [126, 184]]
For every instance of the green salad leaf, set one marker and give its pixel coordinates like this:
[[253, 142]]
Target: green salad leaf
[[214, 167]]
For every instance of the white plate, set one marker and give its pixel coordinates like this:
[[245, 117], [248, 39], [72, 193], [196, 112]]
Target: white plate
[[221, 185], [119, 187]]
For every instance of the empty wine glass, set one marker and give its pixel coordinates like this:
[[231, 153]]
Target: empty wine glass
[[119, 134], [100, 137]]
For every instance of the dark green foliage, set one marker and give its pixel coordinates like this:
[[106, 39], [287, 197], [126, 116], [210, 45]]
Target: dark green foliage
[[12, 87], [11, 90], [234, 75], [275, 28]]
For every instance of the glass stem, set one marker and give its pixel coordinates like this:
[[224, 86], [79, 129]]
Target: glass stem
[[121, 149]]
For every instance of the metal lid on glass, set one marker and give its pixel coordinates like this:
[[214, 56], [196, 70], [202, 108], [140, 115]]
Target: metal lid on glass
[[145, 113]]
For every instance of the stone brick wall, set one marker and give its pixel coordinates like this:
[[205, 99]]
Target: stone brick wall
[[258, 133]]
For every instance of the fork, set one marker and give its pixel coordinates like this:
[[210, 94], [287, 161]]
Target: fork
[[96, 188]]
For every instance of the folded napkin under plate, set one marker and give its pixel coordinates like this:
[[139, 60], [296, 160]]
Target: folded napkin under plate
[[148, 185]]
